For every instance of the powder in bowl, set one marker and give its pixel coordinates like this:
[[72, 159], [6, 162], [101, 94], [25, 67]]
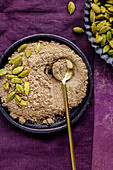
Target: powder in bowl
[[45, 98]]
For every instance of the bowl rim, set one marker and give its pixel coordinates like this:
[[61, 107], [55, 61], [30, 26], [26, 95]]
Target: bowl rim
[[70, 44]]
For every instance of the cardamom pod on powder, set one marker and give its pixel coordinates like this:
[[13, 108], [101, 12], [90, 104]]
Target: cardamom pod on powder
[[3, 72], [22, 48]]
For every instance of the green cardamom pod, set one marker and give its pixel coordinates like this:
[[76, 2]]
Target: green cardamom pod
[[100, 17], [24, 73], [11, 96], [37, 47], [3, 72], [20, 88], [6, 86], [22, 48], [111, 43], [107, 16], [93, 28], [22, 102], [111, 19], [106, 49], [12, 85], [98, 39], [95, 1], [17, 63], [104, 29], [71, 7], [95, 8], [103, 9], [101, 24], [17, 70], [103, 42], [110, 9], [110, 52], [92, 16], [16, 80], [18, 98], [78, 30], [109, 36], [13, 60], [10, 76], [28, 52], [26, 88]]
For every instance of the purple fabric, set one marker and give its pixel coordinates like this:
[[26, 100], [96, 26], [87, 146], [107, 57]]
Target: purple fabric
[[103, 124], [23, 151]]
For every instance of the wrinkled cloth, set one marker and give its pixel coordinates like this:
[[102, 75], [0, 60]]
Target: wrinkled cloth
[[24, 151]]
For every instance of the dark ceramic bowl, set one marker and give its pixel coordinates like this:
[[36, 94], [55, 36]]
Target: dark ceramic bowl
[[76, 112], [98, 48]]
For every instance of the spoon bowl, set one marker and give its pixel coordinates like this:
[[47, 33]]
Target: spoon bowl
[[68, 76]]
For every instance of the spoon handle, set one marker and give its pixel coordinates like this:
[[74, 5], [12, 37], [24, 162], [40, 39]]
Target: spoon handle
[[69, 127]]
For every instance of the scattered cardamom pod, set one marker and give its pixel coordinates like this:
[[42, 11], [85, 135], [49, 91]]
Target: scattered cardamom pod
[[16, 80], [110, 13], [37, 47], [106, 49], [111, 30], [98, 3], [103, 42], [111, 43], [13, 60], [17, 70], [101, 24], [107, 5], [20, 88], [24, 73], [110, 52], [111, 19], [22, 48], [100, 17], [92, 16], [108, 24], [104, 29], [94, 28], [28, 52], [107, 16], [109, 1], [110, 9], [95, 1], [78, 30], [26, 88], [109, 36], [11, 96], [95, 8], [98, 39], [71, 7], [6, 86], [103, 9], [3, 72]]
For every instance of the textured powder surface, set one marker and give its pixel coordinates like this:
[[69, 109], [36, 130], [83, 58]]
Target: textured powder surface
[[46, 97]]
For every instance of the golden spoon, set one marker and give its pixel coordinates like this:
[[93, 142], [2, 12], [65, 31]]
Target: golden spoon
[[68, 75]]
